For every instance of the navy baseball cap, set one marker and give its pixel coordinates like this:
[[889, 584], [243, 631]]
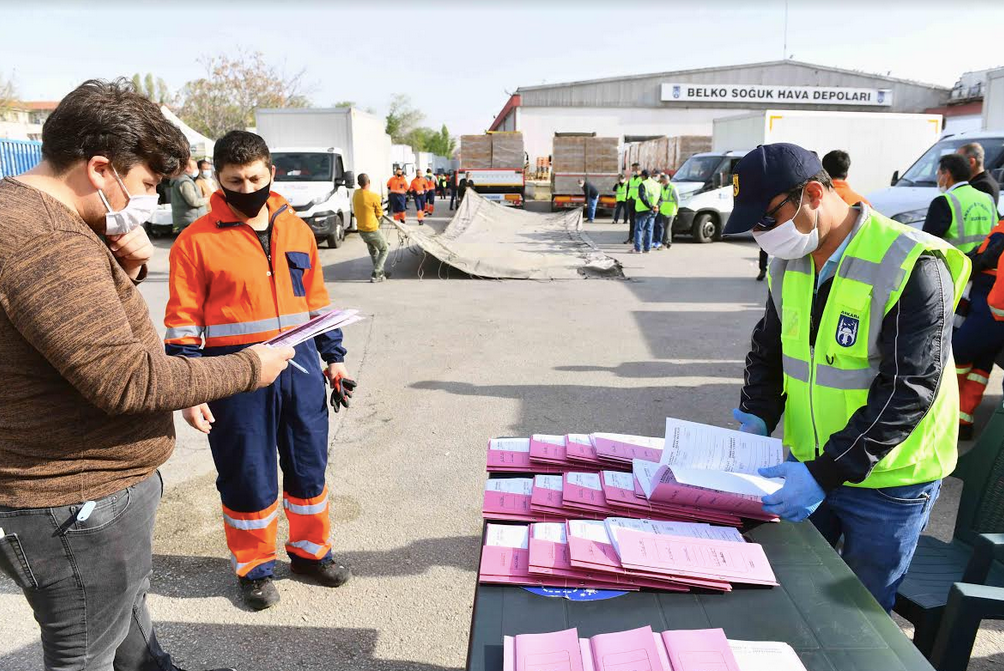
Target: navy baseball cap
[[766, 172]]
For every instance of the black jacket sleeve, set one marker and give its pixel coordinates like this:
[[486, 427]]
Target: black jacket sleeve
[[939, 218], [763, 380], [915, 343]]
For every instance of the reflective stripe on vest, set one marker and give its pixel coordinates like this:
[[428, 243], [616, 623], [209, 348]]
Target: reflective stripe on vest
[[825, 383], [259, 326], [973, 217]]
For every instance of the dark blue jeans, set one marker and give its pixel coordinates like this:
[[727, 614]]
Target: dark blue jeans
[[880, 528], [86, 582], [591, 208], [643, 231], [620, 210]]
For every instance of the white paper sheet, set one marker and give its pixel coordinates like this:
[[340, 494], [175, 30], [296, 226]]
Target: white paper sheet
[[737, 483], [550, 531], [550, 440], [508, 536], [697, 530], [522, 486], [586, 480], [645, 472], [765, 656], [694, 445], [592, 530], [553, 482], [510, 444], [643, 441], [618, 480]]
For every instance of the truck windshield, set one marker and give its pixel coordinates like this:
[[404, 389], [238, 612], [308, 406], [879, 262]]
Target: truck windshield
[[302, 167], [924, 171], [697, 169]]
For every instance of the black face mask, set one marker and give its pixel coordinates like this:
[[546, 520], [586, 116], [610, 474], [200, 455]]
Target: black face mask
[[248, 204]]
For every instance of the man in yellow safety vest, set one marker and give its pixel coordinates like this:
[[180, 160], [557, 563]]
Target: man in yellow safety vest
[[858, 305]]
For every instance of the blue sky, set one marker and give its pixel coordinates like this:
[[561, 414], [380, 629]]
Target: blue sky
[[458, 60]]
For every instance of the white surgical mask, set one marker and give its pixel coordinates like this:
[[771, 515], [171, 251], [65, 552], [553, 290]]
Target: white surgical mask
[[787, 242], [208, 174], [138, 210]]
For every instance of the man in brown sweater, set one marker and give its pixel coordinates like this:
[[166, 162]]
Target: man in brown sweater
[[87, 393]]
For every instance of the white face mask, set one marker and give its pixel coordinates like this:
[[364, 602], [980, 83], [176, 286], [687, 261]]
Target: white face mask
[[942, 187], [208, 174], [787, 242], [138, 210]]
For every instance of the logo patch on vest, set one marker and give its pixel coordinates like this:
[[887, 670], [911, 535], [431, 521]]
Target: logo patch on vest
[[847, 330]]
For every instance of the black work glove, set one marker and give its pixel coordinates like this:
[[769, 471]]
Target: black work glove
[[341, 392]]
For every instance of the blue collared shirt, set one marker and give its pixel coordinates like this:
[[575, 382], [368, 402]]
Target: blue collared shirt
[[830, 267]]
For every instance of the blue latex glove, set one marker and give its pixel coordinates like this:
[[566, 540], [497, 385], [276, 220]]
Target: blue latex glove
[[749, 423], [800, 495]]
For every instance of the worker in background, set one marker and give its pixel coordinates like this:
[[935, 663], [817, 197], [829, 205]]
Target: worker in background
[[646, 207], [592, 195], [669, 205], [837, 164], [240, 276], [397, 199], [187, 201], [368, 211], [868, 450], [441, 185], [620, 199], [465, 183], [417, 189], [980, 338], [960, 214], [205, 182], [979, 178], [430, 192], [452, 185], [632, 197]]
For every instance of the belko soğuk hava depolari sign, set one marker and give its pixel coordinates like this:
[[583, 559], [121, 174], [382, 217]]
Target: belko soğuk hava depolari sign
[[757, 93]]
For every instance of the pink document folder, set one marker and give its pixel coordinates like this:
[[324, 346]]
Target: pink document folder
[[634, 650], [699, 650], [557, 651], [583, 491], [668, 490], [679, 557], [509, 499], [579, 450], [622, 449]]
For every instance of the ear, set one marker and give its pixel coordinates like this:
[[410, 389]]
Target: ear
[[814, 194], [99, 172], [272, 179]]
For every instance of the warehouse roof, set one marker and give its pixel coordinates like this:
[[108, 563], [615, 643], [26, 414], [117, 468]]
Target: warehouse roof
[[726, 68]]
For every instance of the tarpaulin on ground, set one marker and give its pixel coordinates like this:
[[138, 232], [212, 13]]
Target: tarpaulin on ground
[[490, 240]]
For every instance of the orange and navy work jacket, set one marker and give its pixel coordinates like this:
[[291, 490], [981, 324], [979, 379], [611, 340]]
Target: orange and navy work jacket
[[225, 293], [418, 185], [397, 184], [430, 184]]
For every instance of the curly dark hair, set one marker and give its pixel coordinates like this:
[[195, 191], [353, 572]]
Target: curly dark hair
[[111, 119]]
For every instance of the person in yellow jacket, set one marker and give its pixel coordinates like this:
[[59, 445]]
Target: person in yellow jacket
[[960, 214], [368, 211], [854, 350], [669, 204], [634, 181]]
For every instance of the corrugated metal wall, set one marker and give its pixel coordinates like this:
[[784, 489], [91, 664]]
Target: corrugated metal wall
[[645, 91]]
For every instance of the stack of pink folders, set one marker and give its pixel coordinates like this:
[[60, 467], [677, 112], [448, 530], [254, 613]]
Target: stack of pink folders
[[509, 499], [548, 499], [550, 556], [658, 486], [592, 548], [619, 450], [635, 650], [624, 495], [505, 559]]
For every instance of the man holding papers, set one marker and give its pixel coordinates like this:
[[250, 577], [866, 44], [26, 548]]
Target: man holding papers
[[241, 275], [852, 350]]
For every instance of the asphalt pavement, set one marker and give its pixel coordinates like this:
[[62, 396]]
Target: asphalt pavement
[[443, 364]]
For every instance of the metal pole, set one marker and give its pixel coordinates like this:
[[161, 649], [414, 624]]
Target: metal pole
[[784, 56]]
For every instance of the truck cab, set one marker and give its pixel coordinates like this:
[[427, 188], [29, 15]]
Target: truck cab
[[911, 193], [704, 183], [318, 187]]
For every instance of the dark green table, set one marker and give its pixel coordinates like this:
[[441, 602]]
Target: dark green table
[[820, 608]]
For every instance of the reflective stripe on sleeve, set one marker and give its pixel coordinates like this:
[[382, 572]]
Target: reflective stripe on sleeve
[[247, 525], [178, 332], [299, 509]]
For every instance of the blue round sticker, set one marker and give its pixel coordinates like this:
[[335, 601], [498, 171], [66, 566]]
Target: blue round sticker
[[573, 594]]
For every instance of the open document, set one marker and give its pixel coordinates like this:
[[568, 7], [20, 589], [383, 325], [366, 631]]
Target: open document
[[329, 321]]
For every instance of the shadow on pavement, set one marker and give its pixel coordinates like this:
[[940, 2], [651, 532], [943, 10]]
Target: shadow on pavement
[[697, 334], [257, 648], [662, 369], [741, 290]]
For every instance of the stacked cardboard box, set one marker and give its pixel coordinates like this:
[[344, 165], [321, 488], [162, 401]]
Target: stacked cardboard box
[[666, 153], [507, 151], [476, 152], [569, 155], [601, 155]]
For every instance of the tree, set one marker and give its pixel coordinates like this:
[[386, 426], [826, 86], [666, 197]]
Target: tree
[[402, 119], [153, 88], [233, 88], [346, 103], [441, 143], [8, 95]]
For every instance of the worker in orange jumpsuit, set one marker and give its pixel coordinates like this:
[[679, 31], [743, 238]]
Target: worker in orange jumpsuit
[[430, 192], [239, 276], [418, 193], [397, 188], [978, 341]]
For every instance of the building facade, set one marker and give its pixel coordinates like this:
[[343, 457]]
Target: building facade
[[687, 102], [22, 120]]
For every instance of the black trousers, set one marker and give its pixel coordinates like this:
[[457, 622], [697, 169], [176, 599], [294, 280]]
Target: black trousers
[[631, 216]]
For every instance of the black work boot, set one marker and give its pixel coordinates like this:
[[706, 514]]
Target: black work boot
[[327, 572], [259, 593]]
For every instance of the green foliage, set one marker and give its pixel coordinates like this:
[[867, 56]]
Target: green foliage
[[153, 88], [402, 119]]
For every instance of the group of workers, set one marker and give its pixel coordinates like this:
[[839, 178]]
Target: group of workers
[[649, 204], [423, 189]]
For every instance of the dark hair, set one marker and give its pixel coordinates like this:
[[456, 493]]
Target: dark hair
[[644, 173], [202, 162], [100, 118], [955, 165], [822, 177], [239, 147], [363, 179], [837, 163]]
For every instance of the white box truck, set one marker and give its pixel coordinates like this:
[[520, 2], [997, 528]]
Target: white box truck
[[318, 153], [878, 143]]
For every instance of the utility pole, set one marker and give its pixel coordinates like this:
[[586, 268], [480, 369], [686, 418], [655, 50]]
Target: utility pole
[[784, 55]]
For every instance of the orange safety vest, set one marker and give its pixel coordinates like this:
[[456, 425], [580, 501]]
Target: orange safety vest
[[397, 184], [999, 228], [223, 289], [418, 185], [430, 184]]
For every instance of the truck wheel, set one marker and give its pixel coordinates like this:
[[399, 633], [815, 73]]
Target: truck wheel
[[705, 228], [335, 239]]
